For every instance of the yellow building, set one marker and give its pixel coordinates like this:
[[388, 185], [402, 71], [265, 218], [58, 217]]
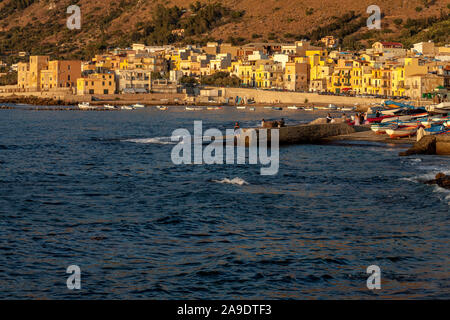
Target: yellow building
[[340, 81], [29, 74], [296, 76], [97, 83], [60, 74], [398, 81]]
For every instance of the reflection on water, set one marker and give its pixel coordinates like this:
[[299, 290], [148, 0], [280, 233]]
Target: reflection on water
[[76, 188]]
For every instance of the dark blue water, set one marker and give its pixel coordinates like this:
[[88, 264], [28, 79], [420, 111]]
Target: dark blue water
[[99, 190]]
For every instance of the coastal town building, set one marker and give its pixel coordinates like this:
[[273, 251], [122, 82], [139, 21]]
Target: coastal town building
[[385, 69], [60, 74], [97, 83]]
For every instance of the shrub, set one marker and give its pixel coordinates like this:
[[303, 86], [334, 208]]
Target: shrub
[[398, 21]]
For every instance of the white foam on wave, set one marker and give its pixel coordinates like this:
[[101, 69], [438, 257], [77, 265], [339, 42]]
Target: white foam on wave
[[154, 140], [444, 193], [236, 181]]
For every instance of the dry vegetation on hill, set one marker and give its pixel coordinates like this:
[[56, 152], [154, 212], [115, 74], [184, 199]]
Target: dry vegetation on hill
[[39, 26]]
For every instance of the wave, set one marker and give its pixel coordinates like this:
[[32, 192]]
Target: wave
[[445, 194], [236, 181], [155, 140]]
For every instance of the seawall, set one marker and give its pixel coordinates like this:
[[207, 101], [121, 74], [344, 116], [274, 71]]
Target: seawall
[[303, 134], [433, 144]]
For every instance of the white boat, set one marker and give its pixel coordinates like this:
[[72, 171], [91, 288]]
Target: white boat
[[84, 106], [108, 106], [162, 108], [214, 108], [126, 108], [348, 109], [138, 105], [443, 107], [241, 108], [293, 108], [252, 109], [331, 107], [309, 109], [402, 132], [194, 109]]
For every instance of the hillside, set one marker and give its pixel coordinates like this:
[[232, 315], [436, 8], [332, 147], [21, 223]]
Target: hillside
[[39, 26]]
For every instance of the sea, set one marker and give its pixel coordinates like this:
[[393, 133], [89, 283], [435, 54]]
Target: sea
[[99, 190]]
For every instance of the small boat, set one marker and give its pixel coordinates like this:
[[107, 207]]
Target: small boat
[[241, 108], [277, 108], [214, 108], [310, 109], [267, 107], [436, 130], [162, 108], [293, 108], [108, 106], [402, 132], [126, 108], [194, 109], [138, 105], [380, 128], [348, 109], [84, 106], [331, 107], [252, 109]]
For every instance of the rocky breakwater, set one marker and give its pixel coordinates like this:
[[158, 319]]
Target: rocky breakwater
[[302, 134], [433, 144], [441, 180]]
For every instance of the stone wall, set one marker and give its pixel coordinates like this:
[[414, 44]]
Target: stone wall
[[433, 144], [273, 97], [302, 134]]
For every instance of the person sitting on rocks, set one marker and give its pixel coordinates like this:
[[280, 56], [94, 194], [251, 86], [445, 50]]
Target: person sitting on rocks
[[329, 118], [281, 123], [263, 123], [236, 126]]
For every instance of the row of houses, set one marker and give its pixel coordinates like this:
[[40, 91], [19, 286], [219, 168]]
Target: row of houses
[[385, 69]]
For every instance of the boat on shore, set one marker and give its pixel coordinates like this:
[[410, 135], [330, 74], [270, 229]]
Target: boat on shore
[[402, 132]]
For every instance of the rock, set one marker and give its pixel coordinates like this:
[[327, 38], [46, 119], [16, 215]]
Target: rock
[[432, 144], [442, 180], [319, 121]]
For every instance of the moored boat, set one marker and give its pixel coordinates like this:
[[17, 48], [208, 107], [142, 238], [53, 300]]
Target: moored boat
[[84, 106], [162, 108], [126, 108], [194, 109], [138, 105], [108, 106]]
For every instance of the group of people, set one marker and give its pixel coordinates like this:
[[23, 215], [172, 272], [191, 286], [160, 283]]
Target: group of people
[[360, 118], [273, 124]]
